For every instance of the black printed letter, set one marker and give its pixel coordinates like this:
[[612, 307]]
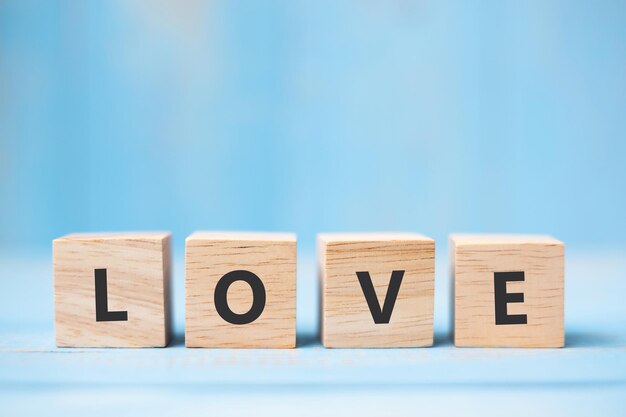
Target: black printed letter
[[502, 298], [258, 297], [102, 300], [384, 315]]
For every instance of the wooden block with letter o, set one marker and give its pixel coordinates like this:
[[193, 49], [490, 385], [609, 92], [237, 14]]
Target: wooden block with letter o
[[112, 290], [508, 290], [377, 289], [240, 290]]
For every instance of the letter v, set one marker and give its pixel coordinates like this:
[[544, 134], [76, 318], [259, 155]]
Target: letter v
[[384, 315]]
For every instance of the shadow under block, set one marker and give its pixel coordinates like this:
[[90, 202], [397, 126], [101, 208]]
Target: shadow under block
[[508, 290], [240, 290], [112, 290], [353, 264]]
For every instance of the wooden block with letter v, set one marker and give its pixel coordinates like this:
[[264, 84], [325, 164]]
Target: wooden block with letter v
[[508, 290], [240, 290], [377, 289], [112, 289]]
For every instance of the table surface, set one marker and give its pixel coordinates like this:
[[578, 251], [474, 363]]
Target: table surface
[[587, 377]]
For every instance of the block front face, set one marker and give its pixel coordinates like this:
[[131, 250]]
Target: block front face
[[349, 263], [112, 290], [491, 273], [252, 276]]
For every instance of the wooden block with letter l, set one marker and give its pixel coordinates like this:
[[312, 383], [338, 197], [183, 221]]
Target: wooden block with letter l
[[377, 289], [240, 290], [508, 290], [112, 289]]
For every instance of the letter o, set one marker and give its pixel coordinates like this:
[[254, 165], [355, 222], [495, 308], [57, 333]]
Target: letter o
[[258, 297]]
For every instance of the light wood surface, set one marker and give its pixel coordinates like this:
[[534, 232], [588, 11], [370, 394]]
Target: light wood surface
[[138, 282], [346, 319], [271, 257], [475, 259]]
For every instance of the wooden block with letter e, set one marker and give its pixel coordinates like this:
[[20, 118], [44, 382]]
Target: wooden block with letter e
[[112, 289], [377, 289], [240, 290], [508, 290]]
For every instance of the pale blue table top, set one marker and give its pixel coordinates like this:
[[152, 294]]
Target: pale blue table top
[[588, 377]]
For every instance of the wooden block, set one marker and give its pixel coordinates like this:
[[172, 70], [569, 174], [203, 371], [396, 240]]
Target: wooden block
[[362, 275], [112, 290], [508, 290], [241, 290]]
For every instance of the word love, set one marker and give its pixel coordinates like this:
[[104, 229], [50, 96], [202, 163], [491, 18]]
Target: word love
[[377, 290]]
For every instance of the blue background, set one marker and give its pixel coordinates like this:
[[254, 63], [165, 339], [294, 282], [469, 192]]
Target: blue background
[[432, 116]]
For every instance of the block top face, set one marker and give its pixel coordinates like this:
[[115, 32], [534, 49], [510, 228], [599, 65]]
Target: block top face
[[329, 238], [246, 236], [503, 239], [110, 236]]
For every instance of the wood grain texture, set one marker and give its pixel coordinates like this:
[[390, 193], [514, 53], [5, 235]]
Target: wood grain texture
[[270, 256], [475, 259], [138, 281], [347, 321]]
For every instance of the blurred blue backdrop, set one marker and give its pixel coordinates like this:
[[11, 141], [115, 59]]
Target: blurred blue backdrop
[[433, 116]]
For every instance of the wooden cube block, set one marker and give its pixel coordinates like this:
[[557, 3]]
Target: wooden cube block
[[508, 290], [241, 290], [377, 289], [112, 290]]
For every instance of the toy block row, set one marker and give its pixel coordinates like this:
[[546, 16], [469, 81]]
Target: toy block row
[[377, 290]]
